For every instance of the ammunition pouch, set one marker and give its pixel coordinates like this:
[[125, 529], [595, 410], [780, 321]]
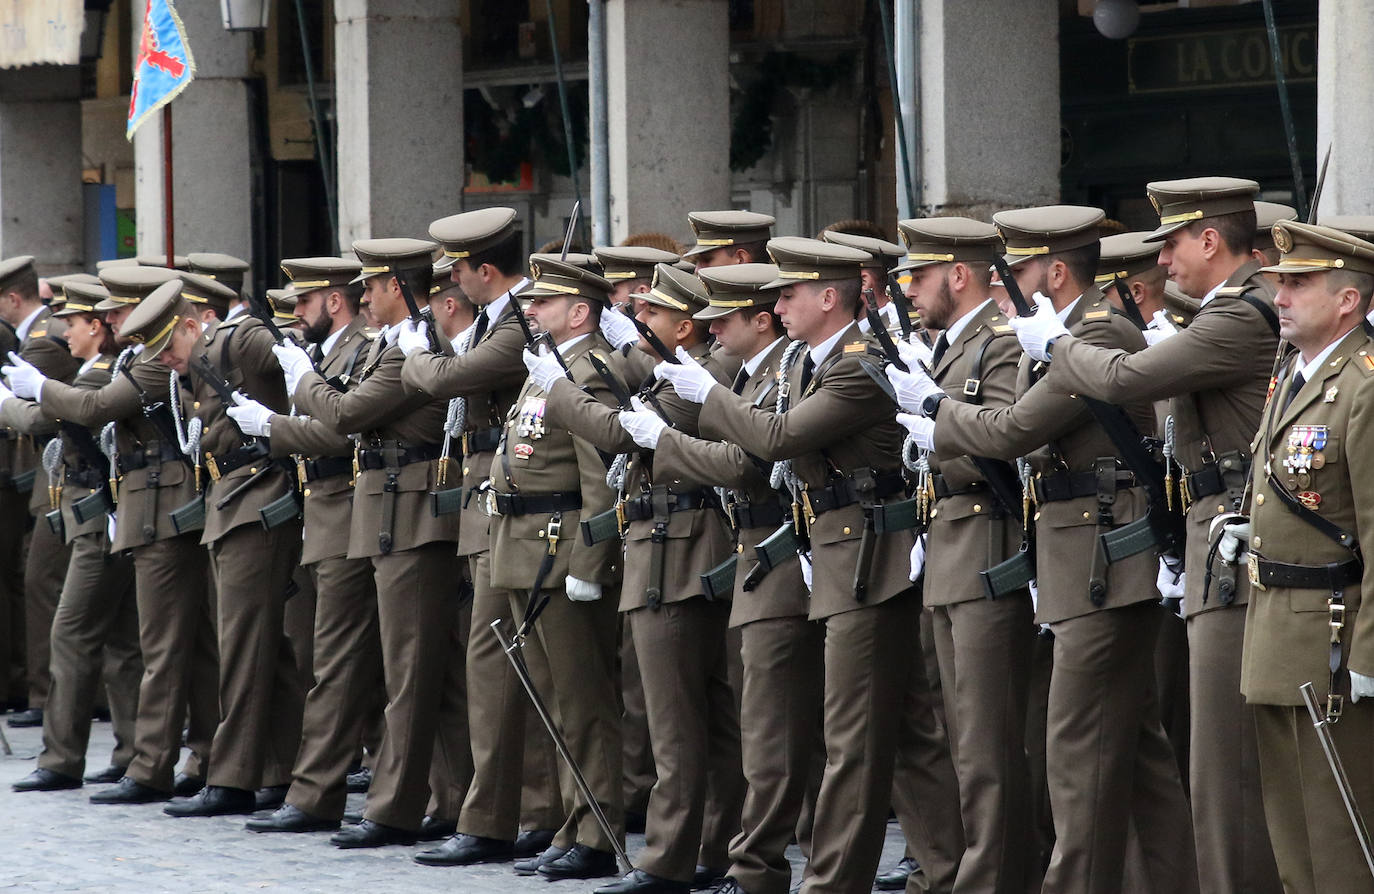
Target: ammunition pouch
[[93, 506], [23, 482], [600, 527], [1009, 576], [56, 524], [719, 582], [188, 518], [283, 509]]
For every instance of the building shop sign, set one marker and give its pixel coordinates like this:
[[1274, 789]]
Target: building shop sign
[[1170, 63]]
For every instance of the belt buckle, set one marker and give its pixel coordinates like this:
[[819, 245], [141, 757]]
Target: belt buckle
[[972, 387], [1334, 706], [1337, 619], [212, 466], [1252, 571]]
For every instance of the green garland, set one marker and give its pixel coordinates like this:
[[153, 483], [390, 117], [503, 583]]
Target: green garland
[[751, 131]]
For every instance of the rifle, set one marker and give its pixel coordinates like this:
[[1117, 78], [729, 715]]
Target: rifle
[[1128, 305], [207, 371], [898, 296], [574, 218], [655, 342], [260, 307], [421, 317], [102, 500]]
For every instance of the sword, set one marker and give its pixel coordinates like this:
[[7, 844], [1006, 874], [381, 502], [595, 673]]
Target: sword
[[1320, 724], [655, 342], [514, 652]]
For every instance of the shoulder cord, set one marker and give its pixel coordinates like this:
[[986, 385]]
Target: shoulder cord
[[456, 418], [188, 439], [782, 476], [109, 444]]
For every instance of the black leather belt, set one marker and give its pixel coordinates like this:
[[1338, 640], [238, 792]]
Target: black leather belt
[[484, 440], [1211, 478], [641, 508], [1331, 576], [845, 493], [372, 458], [748, 514], [537, 504], [85, 477], [943, 490], [155, 453], [325, 467], [1072, 485], [222, 464]]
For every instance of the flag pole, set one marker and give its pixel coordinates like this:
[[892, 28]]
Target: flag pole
[[167, 225]]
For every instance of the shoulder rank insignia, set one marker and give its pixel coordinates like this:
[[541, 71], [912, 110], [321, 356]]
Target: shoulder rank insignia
[[1097, 314], [1368, 362], [856, 347], [101, 364], [1002, 329], [38, 333], [1231, 292]]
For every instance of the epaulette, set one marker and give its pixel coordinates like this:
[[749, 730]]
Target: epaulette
[[1003, 329], [1365, 363], [856, 347], [101, 364], [38, 333], [1231, 291], [369, 333]]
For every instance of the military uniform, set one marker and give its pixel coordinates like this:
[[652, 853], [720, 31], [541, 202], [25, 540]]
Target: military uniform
[[1109, 764], [983, 644], [1215, 373], [409, 548], [1305, 623], [674, 532], [514, 779], [170, 568]]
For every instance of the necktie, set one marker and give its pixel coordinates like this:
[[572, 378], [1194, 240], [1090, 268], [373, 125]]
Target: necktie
[[480, 329], [941, 345], [316, 353], [808, 368], [741, 378], [1293, 390]]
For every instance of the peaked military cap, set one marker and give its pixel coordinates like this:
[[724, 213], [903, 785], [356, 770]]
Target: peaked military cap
[[80, 296], [12, 270], [716, 229], [465, 234], [576, 258], [944, 240], [1180, 202], [149, 259], [735, 287], [810, 260], [283, 304], [223, 268], [676, 290], [308, 274], [56, 283], [392, 256], [1046, 230], [131, 283], [152, 322], [1269, 213], [553, 277], [442, 281], [203, 290], [885, 254], [1126, 255], [621, 262], [1309, 248], [1361, 226]]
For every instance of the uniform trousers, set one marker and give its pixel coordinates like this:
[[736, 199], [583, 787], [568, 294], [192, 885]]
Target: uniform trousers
[[1109, 763], [571, 654], [174, 624], [1314, 841], [299, 621], [515, 777], [1171, 682], [14, 522], [638, 755], [45, 568], [781, 707], [450, 772], [695, 732], [94, 634], [870, 665], [984, 648], [202, 705], [348, 662], [260, 693], [416, 611], [1233, 849]]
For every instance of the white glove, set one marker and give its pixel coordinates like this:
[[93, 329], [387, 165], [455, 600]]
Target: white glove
[[295, 363], [251, 417], [1160, 328], [5, 393], [413, 337], [915, 352], [544, 369], [1038, 330], [688, 378], [1360, 686], [619, 330], [806, 571], [912, 387], [918, 558], [922, 429], [1171, 578], [25, 379], [579, 590], [644, 426], [1235, 536]]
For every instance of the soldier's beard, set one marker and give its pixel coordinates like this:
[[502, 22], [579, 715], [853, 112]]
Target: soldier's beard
[[316, 332], [941, 313]]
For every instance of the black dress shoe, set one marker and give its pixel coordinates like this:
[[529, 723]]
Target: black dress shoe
[[895, 878], [466, 850], [184, 786], [270, 797], [213, 800], [532, 843], [728, 885], [704, 877], [352, 818], [640, 882], [530, 865], [290, 819], [359, 780], [434, 829], [129, 791], [581, 862], [31, 717], [370, 834], [107, 775], [42, 780]]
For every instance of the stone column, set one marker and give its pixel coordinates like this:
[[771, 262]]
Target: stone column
[[989, 104], [1345, 118], [398, 75], [212, 145], [41, 208], [668, 86]]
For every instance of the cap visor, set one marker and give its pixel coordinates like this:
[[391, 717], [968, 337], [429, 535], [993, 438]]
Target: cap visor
[[444, 263], [701, 250], [1293, 268], [713, 312], [1014, 260], [153, 348], [911, 265], [1163, 232]]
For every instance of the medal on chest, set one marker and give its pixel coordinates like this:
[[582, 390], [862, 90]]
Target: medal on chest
[[530, 423], [1303, 452]]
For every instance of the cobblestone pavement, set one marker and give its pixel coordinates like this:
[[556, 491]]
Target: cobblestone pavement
[[58, 841]]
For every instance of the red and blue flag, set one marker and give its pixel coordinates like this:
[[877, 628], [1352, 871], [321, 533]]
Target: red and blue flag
[[164, 66]]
